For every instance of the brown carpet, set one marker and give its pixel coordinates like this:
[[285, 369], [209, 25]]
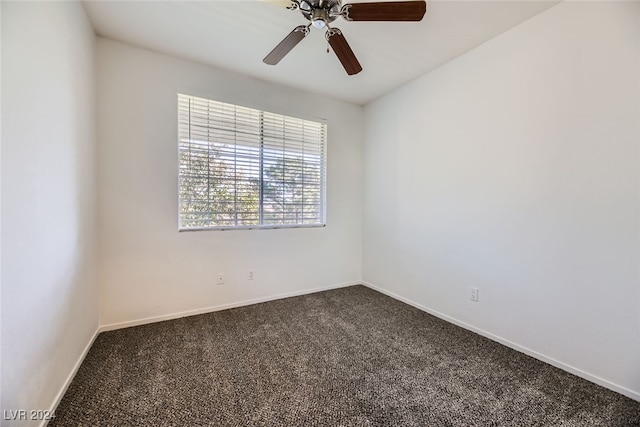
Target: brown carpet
[[346, 357]]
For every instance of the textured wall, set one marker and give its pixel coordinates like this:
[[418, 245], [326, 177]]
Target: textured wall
[[49, 291], [147, 268]]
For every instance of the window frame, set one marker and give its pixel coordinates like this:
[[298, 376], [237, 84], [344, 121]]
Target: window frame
[[260, 226]]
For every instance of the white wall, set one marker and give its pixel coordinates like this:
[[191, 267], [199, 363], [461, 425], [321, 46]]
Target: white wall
[[49, 293], [1, 406], [514, 169], [147, 268]]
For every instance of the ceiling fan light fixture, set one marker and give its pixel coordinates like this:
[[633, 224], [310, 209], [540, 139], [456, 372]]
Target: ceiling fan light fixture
[[319, 23]]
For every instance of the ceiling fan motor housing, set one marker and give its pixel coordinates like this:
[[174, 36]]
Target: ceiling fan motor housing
[[320, 12]]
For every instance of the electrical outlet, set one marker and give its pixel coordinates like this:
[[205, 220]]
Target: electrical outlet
[[250, 275], [220, 279], [473, 296]]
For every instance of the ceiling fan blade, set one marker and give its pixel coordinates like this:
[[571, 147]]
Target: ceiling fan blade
[[385, 11], [286, 45], [343, 51]]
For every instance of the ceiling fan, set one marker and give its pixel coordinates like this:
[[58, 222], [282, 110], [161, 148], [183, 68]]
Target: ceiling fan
[[320, 13]]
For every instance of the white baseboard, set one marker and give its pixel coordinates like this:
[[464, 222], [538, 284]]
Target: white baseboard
[[553, 362], [70, 377], [130, 323]]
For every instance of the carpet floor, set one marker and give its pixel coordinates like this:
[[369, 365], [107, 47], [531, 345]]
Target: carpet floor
[[345, 357]]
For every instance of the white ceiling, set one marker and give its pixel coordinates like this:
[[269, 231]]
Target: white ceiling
[[236, 35]]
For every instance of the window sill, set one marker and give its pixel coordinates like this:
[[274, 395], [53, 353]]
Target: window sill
[[250, 227]]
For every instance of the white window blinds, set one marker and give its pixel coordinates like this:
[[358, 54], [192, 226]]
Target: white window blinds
[[246, 168]]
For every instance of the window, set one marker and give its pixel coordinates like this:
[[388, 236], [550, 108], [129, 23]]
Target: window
[[246, 168]]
